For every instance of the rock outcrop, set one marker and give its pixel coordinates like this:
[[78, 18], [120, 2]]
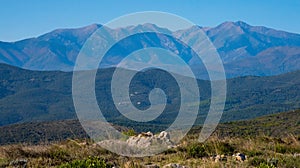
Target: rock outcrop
[[145, 140]]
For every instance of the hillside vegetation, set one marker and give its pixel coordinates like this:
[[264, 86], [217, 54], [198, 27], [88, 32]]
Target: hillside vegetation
[[276, 125], [34, 96], [276, 143]]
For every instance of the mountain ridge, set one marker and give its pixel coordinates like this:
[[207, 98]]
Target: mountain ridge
[[237, 43]]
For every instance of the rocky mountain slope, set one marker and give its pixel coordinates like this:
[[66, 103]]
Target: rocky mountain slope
[[244, 49]]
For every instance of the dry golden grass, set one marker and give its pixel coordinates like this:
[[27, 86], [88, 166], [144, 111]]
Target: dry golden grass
[[259, 150]]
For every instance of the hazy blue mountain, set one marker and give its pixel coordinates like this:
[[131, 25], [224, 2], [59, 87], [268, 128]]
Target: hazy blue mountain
[[244, 49], [56, 50]]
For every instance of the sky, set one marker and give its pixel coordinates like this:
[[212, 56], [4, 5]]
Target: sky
[[20, 19]]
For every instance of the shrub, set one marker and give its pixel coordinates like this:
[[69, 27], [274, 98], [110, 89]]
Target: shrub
[[280, 148], [224, 148], [130, 132], [265, 165], [216, 147], [59, 154], [4, 162], [252, 153], [290, 162], [257, 161], [196, 150], [90, 162]]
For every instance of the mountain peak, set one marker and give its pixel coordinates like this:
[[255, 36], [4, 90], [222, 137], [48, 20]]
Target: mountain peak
[[145, 27], [230, 24], [242, 24], [79, 33], [226, 29], [226, 24], [93, 26]]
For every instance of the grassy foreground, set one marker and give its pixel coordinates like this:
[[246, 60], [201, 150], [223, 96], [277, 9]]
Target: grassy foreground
[[260, 151]]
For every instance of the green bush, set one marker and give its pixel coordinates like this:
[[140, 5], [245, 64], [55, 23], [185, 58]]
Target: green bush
[[252, 153], [265, 165], [219, 148], [196, 150], [290, 162], [90, 162], [4, 162], [257, 161], [225, 148], [130, 132], [59, 154], [280, 148]]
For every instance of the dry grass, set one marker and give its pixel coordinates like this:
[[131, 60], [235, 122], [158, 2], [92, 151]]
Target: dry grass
[[260, 150]]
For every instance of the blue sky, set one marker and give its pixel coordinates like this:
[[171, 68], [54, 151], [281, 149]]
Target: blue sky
[[21, 19]]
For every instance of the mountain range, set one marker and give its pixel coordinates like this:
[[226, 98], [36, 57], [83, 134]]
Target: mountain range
[[244, 49]]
